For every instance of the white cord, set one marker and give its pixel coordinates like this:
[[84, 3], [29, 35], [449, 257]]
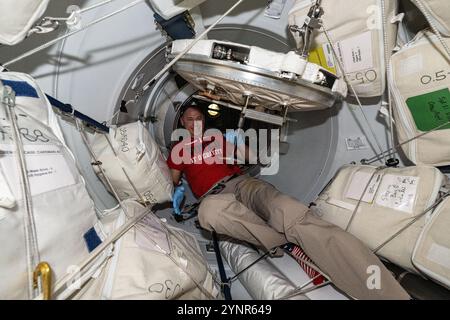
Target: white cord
[[32, 247], [52, 42]]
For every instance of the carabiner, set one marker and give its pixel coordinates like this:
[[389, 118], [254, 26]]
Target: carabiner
[[44, 272]]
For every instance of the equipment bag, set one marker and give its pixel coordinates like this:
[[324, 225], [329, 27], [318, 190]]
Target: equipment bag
[[151, 261], [356, 28], [419, 81], [432, 252], [393, 198], [438, 11], [18, 17], [133, 163], [65, 233]]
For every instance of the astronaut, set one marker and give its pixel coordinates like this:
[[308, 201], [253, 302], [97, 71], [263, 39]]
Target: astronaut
[[254, 211]]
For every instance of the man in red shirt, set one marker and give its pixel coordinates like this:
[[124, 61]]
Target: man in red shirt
[[252, 210], [201, 158]]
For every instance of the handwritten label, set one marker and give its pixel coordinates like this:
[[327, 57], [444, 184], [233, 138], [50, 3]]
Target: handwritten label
[[361, 180], [398, 192], [46, 166], [431, 110]]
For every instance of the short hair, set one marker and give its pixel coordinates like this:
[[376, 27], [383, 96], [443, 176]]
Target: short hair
[[199, 109]]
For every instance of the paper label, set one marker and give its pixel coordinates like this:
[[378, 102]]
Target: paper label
[[356, 52], [356, 143], [440, 255], [150, 235], [430, 110], [398, 192], [47, 168], [358, 184]]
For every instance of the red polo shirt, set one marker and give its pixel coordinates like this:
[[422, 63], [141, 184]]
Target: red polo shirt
[[202, 162]]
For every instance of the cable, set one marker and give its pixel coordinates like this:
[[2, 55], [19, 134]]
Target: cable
[[374, 158], [387, 67], [32, 247], [52, 42]]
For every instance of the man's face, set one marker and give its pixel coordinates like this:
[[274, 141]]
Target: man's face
[[192, 118]]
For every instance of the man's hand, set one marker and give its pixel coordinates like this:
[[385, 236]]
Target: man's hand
[[178, 197]]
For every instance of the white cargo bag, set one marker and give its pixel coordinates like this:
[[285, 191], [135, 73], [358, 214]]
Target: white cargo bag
[[65, 219], [438, 11], [263, 280], [17, 18], [419, 81], [393, 198], [356, 27], [432, 252], [134, 164], [151, 261]]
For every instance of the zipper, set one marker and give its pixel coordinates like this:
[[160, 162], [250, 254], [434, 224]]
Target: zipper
[[109, 282]]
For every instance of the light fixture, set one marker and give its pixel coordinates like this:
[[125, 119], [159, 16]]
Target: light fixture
[[214, 110]]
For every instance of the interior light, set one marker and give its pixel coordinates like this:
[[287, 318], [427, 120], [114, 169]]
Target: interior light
[[213, 110]]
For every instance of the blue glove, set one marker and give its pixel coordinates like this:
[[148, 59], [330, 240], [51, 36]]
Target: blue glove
[[178, 196], [233, 137]]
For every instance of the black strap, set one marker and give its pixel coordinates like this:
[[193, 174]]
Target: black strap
[[223, 276]]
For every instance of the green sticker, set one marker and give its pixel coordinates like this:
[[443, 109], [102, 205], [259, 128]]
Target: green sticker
[[431, 110]]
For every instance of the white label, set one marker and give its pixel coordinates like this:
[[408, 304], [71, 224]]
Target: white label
[[440, 255], [356, 143], [150, 235], [356, 52], [328, 53], [47, 168], [360, 181], [398, 192]]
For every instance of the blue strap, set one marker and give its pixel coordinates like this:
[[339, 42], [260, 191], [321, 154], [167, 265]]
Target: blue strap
[[176, 27], [21, 88], [67, 108], [92, 239]]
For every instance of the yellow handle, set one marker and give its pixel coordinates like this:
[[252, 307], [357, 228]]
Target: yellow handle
[[43, 271]]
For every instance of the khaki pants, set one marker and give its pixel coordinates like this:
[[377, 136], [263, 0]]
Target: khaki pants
[[254, 211]]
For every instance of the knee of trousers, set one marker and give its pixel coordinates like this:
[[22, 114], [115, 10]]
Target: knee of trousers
[[209, 211]]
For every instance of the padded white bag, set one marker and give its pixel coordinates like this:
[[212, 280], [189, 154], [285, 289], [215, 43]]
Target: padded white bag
[[263, 280], [65, 233], [133, 163], [153, 261], [432, 252], [419, 81], [356, 27], [439, 13], [17, 18], [394, 197]]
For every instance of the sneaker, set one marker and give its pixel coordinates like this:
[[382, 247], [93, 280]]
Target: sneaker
[[298, 254]]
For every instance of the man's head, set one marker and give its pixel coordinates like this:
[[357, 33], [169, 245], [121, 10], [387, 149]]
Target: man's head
[[192, 117]]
